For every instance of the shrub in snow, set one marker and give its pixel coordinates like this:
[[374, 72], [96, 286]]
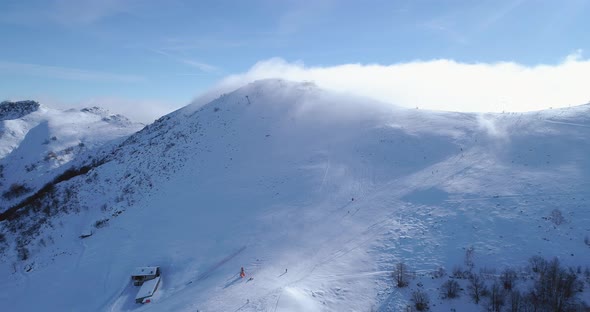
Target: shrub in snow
[[101, 223], [23, 253], [459, 273], [420, 300], [438, 273], [31, 167], [450, 289], [50, 155], [556, 217], [3, 243], [16, 190], [508, 278]]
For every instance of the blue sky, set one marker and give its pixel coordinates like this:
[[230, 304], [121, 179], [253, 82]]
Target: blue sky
[[161, 54]]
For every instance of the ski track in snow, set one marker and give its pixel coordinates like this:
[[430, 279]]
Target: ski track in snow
[[567, 123], [325, 176], [212, 269]]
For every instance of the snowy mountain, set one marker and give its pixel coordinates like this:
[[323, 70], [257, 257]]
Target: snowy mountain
[[37, 143], [318, 196]]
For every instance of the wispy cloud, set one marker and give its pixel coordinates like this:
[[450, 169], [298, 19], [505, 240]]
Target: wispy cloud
[[65, 73], [196, 64], [461, 24], [498, 14], [445, 28], [68, 12], [88, 11], [176, 44], [442, 84], [301, 15]]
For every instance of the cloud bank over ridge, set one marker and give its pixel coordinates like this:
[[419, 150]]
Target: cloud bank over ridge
[[440, 84]]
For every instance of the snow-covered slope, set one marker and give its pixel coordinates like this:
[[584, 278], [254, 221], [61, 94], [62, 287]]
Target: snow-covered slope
[[37, 142], [317, 195]]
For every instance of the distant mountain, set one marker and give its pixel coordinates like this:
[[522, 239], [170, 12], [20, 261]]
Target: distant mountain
[[37, 143], [319, 196], [18, 109]]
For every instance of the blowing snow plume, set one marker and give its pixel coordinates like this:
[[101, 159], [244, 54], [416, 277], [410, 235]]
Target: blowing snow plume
[[438, 84]]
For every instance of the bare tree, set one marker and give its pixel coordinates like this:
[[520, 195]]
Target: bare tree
[[528, 303], [476, 288], [496, 297], [538, 264], [401, 275], [556, 287], [420, 300], [515, 301], [469, 258], [508, 278], [450, 289]]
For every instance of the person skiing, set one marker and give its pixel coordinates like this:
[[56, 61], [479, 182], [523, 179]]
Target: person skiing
[[242, 273]]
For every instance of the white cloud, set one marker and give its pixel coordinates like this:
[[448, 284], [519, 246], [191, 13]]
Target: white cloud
[[440, 84]]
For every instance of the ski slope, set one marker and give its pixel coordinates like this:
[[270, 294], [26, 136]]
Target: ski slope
[[317, 195]]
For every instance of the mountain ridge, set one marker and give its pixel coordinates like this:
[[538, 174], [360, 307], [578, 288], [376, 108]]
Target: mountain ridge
[[279, 175], [40, 142]]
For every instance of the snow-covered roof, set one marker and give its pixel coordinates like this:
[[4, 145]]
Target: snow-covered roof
[[148, 288], [140, 271]]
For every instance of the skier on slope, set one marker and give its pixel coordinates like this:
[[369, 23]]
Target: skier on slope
[[242, 273]]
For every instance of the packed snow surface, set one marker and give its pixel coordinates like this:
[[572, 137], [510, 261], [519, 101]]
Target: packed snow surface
[[317, 195]]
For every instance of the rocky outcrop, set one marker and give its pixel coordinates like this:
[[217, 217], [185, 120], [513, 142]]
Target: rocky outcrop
[[14, 110]]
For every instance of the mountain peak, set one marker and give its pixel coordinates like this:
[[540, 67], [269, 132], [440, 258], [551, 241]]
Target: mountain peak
[[107, 116], [95, 110], [14, 110]]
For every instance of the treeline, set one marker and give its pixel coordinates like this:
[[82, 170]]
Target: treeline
[[544, 285]]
